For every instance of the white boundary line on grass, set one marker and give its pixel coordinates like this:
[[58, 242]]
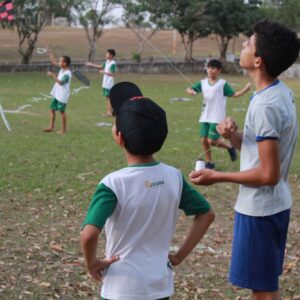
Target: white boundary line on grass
[[20, 110], [4, 118], [77, 90]]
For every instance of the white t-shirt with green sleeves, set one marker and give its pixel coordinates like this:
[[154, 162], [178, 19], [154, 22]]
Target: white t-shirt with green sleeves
[[61, 92], [109, 67], [139, 207], [214, 99]]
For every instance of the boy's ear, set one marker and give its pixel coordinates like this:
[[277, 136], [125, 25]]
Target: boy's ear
[[258, 62], [120, 140]]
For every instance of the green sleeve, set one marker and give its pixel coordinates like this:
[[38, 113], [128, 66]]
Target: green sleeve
[[113, 68], [102, 206], [192, 202], [65, 79], [103, 65], [228, 90], [197, 87]]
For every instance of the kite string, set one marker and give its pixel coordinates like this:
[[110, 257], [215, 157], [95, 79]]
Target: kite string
[[166, 59], [179, 72]]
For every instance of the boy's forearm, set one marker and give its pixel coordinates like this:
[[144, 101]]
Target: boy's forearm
[[56, 79], [89, 244], [96, 66], [242, 91], [197, 231], [52, 58], [252, 177]]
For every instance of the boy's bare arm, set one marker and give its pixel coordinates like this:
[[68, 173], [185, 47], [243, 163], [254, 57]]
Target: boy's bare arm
[[89, 64], [89, 241], [243, 91], [197, 231], [266, 173], [52, 75], [52, 57]]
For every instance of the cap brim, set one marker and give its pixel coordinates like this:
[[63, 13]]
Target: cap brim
[[121, 92]]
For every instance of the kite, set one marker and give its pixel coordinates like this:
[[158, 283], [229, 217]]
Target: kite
[[6, 10]]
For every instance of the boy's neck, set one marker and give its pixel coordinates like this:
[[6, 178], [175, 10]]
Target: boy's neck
[[261, 79], [138, 159], [213, 80]]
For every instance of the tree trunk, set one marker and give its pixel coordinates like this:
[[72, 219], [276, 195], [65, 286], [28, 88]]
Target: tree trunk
[[189, 49], [141, 46], [25, 58], [26, 55], [92, 40], [224, 47], [92, 51]]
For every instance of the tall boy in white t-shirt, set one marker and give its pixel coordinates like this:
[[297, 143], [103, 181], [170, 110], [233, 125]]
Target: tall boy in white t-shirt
[[108, 69], [60, 91], [214, 91], [267, 145], [138, 205]]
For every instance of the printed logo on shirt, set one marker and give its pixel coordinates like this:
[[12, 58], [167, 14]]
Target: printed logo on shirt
[[149, 184]]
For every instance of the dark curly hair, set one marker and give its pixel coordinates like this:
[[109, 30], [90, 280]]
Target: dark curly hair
[[67, 60], [277, 45], [215, 63], [112, 52]]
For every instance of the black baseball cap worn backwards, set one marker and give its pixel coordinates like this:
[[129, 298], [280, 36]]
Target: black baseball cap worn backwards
[[141, 121]]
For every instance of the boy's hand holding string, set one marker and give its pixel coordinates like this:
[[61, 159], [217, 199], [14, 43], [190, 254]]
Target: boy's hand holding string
[[266, 173]]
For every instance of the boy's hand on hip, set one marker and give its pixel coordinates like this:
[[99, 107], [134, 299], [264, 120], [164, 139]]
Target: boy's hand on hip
[[96, 269], [203, 177], [227, 127]]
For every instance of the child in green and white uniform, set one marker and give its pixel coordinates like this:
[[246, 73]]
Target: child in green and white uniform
[[138, 206], [108, 69], [214, 91], [60, 91]]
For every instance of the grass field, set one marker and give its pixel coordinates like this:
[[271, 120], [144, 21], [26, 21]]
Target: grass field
[[46, 181]]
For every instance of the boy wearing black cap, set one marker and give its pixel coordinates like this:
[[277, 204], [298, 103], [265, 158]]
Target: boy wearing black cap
[[139, 207]]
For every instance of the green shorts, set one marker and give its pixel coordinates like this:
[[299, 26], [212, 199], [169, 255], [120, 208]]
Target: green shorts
[[105, 92], [57, 105], [209, 130]]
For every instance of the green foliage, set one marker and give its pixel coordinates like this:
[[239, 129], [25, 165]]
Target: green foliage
[[230, 18], [190, 19], [286, 12], [136, 57], [144, 18], [93, 15], [30, 18]]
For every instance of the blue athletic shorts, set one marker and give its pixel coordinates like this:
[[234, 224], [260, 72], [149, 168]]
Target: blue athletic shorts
[[258, 251]]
